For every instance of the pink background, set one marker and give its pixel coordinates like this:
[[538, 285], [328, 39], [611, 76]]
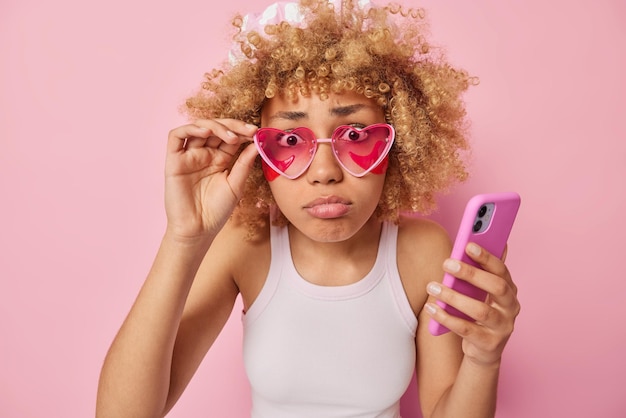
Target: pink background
[[89, 92]]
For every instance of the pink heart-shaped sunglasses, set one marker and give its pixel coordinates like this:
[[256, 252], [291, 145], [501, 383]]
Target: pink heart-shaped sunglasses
[[358, 151]]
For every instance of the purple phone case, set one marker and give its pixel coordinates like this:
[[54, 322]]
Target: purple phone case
[[493, 239]]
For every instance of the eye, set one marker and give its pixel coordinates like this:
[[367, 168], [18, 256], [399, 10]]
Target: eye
[[352, 134], [289, 139]]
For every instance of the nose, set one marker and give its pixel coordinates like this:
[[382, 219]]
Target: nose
[[324, 168]]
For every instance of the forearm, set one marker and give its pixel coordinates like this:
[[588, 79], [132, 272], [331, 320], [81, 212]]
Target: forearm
[[135, 376], [473, 394]]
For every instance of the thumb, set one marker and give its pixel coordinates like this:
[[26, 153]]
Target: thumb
[[241, 169]]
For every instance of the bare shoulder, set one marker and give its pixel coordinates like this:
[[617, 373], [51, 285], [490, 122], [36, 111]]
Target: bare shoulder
[[420, 231], [422, 239], [423, 245]]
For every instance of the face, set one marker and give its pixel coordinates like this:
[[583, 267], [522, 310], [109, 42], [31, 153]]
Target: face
[[326, 202]]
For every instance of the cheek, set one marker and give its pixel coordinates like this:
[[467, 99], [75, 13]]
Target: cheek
[[286, 194], [381, 168], [269, 173]]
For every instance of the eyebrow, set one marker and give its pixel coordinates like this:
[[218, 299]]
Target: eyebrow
[[335, 111], [347, 110], [288, 115]]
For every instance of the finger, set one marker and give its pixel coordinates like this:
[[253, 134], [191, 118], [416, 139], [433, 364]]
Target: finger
[[459, 326], [478, 310], [224, 140], [241, 169], [239, 127], [178, 137], [195, 142], [491, 263], [481, 343], [486, 260], [229, 131], [501, 289]]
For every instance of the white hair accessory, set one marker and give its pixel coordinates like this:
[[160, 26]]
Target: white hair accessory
[[280, 12]]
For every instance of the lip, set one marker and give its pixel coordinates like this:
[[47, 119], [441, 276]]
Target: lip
[[328, 207]]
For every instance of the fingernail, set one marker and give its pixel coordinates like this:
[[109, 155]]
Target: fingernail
[[231, 134], [433, 289], [251, 126], [473, 249], [430, 308], [451, 265]]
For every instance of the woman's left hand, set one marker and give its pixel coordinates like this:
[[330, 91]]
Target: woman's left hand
[[485, 339]]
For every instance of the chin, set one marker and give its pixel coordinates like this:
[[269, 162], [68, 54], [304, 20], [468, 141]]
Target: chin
[[329, 230]]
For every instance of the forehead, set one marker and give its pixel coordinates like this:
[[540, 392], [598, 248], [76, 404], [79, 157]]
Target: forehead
[[337, 105]]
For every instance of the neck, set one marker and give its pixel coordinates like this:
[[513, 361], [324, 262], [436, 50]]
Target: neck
[[348, 260], [367, 235]]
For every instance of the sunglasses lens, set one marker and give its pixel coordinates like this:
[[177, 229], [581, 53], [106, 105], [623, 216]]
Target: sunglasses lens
[[361, 150], [289, 153], [358, 150]]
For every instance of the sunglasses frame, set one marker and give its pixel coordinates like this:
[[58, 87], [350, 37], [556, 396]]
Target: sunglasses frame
[[389, 143]]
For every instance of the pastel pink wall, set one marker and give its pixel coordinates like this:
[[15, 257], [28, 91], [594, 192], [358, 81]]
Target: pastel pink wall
[[87, 96]]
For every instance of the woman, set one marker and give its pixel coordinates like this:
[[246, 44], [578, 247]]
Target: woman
[[356, 121]]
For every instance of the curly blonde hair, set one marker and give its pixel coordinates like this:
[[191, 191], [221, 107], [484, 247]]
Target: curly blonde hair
[[381, 53]]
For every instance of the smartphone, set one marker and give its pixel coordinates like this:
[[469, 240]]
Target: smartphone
[[487, 221]]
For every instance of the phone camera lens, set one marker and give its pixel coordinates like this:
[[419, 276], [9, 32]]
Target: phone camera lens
[[478, 225], [482, 211]]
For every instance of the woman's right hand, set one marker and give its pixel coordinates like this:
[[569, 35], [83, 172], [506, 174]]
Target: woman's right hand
[[200, 190]]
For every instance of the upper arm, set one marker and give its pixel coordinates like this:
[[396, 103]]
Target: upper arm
[[424, 246], [208, 307]]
